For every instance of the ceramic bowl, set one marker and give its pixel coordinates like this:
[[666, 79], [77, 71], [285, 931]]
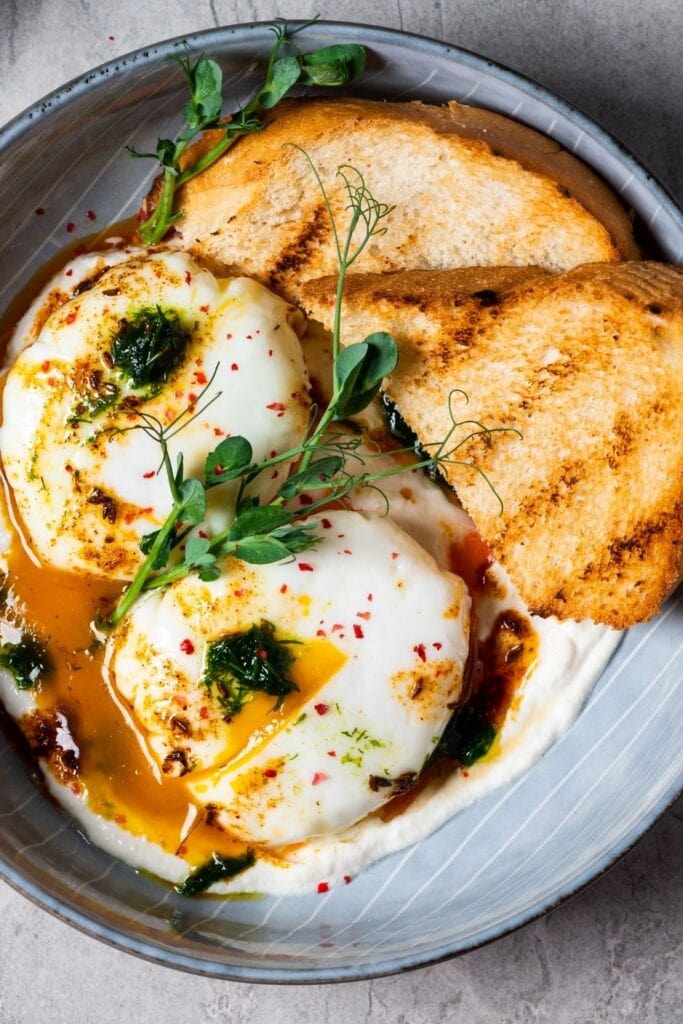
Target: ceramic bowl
[[503, 860]]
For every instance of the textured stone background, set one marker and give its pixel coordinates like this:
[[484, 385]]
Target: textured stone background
[[611, 955]]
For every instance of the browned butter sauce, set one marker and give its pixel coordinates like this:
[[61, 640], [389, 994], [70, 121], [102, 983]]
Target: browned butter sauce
[[83, 730]]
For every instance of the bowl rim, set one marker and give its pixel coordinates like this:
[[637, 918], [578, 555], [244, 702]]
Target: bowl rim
[[117, 938]]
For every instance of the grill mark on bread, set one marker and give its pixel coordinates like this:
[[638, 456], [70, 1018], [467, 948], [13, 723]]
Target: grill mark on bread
[[297, 253]]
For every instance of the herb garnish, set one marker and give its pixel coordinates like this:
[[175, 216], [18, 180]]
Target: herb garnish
[[149, 346], [240, 664], [467, 737], [27, 660], [214, 870], [331, 66], [272, 532]]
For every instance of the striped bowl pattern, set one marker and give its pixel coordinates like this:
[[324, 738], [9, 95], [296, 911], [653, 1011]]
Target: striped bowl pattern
[[496, 864]]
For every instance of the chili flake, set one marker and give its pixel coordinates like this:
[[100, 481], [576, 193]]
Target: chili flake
[[186, 646], [321, 709], [70, 226], [420, 651], [358, 631], [318, 778], [148, 475], [270, 773], [305, 567], [323, 887]]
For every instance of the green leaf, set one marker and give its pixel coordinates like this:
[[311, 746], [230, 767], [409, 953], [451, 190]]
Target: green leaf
[[216, 869], [205, 81], [165, 152], [147, 543], [285, 73], [180, 470], [259, 520], [229, 460], [196, 548], [333, 65], [26, 661], [359, 372], [316, 476], [468, 736], [193, 499], [298, 538], [208, 573], [260, 550]]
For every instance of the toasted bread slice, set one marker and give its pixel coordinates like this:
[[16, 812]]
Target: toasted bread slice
[[588, 366], [470, 188]]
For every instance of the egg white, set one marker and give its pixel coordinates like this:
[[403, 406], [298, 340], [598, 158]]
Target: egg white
[[242, 341], [400, 622]]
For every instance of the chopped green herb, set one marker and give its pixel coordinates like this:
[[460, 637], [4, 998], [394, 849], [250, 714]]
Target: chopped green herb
[[149, 346], [240, 664], [26, 660], [468, 736], [215, 870]]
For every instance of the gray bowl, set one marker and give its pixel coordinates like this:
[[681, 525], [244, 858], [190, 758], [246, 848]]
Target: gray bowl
[[503, 860]]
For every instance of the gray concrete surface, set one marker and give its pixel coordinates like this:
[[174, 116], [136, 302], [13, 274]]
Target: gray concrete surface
[[611, 955]]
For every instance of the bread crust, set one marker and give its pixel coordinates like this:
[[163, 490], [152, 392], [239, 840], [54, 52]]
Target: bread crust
[[470, 188], [588, 366]]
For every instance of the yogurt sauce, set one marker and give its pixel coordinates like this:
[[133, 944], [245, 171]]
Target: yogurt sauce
[[571, 657]]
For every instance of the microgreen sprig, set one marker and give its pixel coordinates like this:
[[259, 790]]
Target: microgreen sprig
[[263, 533], [330, 66]]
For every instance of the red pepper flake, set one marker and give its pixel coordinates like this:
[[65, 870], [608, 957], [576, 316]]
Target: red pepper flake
[[346, 551], [234, 366], [321, 709], [218, 470], [323, 887], [283, 588], [320, 632], [369, 597], [420, 651], [75, 787], [270, 773], [358, 631], [262, 653], [70, 318], [249, 337], [276, 407], [318, 778], [204, 309], [70, 226], [110, 38], [347, 879], [119, 819], [192, 397], [270, 353], [90, 215], [394, 554], [187, 647], [40, 211], [305, 499], [238, 593], [181, 700], [202, 534], [203, 711], [331, 753], [466, 773], [337, 626], [200, 377], [438, 646], [148, 475], [69, 272], [364, 615], [45, 366], [305, 567], [326, 524], [218, 432], [228, 336]]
